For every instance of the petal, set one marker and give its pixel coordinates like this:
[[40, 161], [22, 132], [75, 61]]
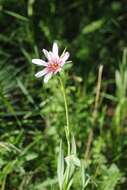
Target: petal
[[51, 55], [58, 70], [47, 77], [47, 54], [41, 73], [65, 56], [55, 49], [39, 62]]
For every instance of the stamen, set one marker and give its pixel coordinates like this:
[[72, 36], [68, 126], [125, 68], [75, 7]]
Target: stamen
[[53, 66]]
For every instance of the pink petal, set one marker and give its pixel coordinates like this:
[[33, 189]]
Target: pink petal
[[51, 55], [47, 54], [39, 62], [55, 49], [47, 77], [65, 56], [58, 70], [41, 73]]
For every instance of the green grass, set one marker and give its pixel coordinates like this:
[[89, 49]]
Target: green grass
[[32, 115]]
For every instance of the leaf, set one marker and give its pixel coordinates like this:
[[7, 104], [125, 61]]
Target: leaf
[[30, 7], [4, 145], [31, 156], [9, 167], [25, 91], [93, 26], [111, 178], [83, 174], [124, 59], [9, 146], [118, 79], [70, 184], [72, 159], [16, 15], [60, 166], [73, 144], [48, 182]]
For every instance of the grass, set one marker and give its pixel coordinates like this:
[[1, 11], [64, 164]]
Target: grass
[[32, 115]]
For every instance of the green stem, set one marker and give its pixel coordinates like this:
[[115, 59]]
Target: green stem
[[3, 184], [67, 127]]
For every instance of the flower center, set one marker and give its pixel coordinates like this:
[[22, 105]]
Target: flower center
[[53, 66]]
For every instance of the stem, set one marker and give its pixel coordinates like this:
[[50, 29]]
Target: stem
[[3, 184], [67, 127], [95, 112]]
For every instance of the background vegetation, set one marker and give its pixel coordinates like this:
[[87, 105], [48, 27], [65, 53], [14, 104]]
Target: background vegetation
[[32, 116]]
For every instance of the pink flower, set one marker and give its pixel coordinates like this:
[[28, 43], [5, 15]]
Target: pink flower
[[54, 63]]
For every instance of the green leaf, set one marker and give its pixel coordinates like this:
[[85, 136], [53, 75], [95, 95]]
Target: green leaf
[[31, 156], [111, 178], [9, 167], [93, 26], [25, 91], [16, 15], [47, 183], [72, 159], [60, 166], [73, 144]]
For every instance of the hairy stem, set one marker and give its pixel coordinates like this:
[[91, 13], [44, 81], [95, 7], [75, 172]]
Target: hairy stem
[[67, 127]]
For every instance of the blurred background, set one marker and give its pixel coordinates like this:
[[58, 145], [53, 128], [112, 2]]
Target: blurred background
[[32, 116]]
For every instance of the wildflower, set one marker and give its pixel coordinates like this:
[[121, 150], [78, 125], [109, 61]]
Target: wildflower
[[54, 62]]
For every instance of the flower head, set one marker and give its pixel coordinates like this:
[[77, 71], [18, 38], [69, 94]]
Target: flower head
[[54, 62]]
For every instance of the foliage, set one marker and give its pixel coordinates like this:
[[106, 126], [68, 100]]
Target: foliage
[[32, 115]]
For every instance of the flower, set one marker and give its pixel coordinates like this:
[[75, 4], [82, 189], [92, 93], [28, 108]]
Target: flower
[[54, 62]]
